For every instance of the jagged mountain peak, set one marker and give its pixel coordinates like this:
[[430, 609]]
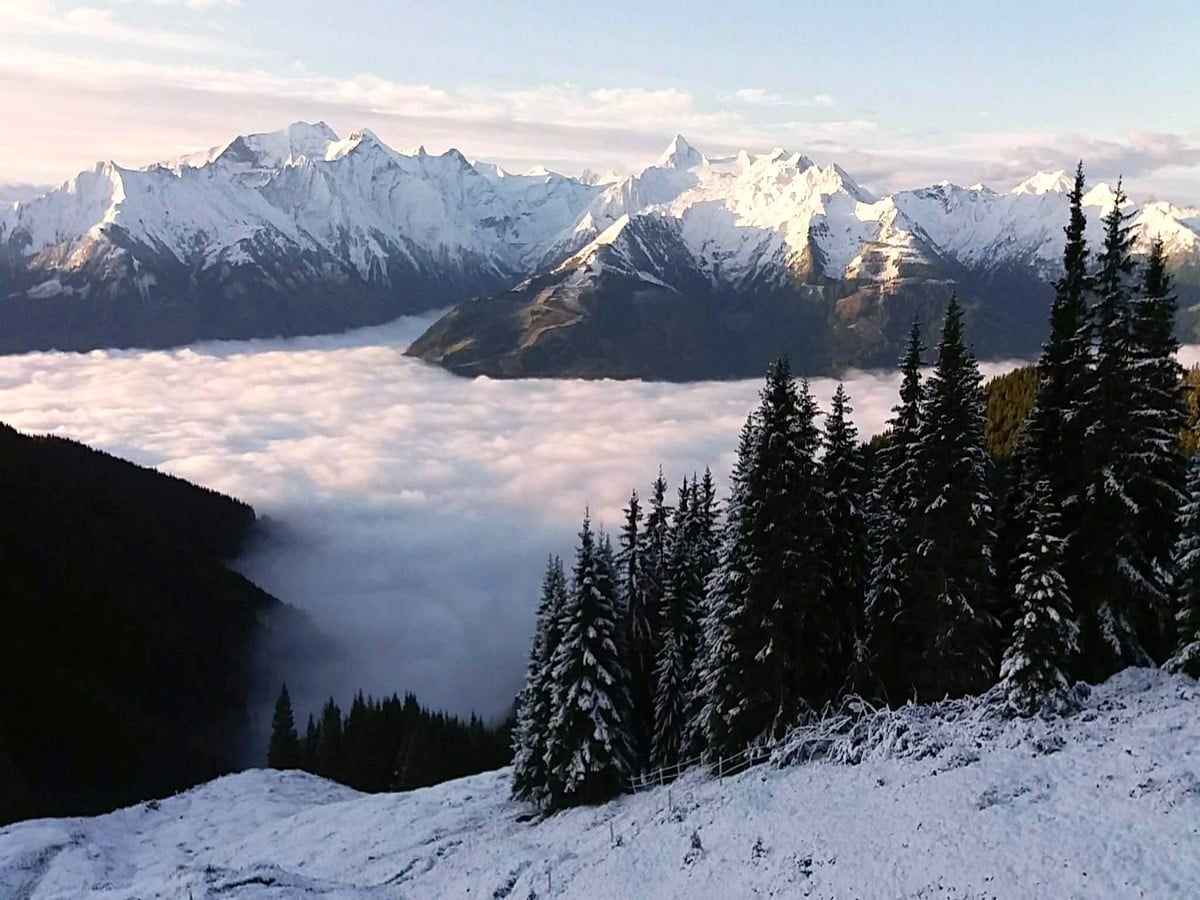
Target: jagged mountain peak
[[680, 155], [1057, 182]]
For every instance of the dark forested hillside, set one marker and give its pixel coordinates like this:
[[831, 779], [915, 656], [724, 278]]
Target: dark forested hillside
[[126, 639]]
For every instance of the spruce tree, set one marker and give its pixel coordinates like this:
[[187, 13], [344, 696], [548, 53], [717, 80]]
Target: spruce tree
[[1114, 597], [639, 627], [680, 632], [535, 704], [329, 750], [1057, 423], [890, 625], [1055, 432], [1159, 471], [283, 752], [653, 556], [1186, 658], [779, 618], [1045, 636], [312, 740], [708, 525], [847, 552], [717, 725], [952, 560], [588, 752]]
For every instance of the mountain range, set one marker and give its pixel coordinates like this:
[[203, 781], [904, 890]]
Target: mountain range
[[693, 267]]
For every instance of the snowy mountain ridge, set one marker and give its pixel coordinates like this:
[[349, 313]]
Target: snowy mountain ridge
[[1103, 803], [357, 197], [302, 231]]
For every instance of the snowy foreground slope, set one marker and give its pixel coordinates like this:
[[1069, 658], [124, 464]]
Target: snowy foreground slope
[[1106, 804]]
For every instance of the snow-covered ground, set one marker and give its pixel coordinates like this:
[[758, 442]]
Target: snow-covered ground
[[1105, 804]]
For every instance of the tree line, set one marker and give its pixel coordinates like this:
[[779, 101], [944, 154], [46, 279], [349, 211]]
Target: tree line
[[385, 745], [914, 567]]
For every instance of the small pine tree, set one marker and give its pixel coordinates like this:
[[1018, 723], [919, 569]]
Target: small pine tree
[[588, 752], [283, 752], [1186, 658], [1045, 636]]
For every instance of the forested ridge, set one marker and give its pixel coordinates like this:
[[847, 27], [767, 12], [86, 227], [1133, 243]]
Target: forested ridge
[[127, 640], [1037, 534]]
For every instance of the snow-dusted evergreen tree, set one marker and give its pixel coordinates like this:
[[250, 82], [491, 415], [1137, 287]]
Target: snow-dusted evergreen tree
[[1159, 472], [847, 552], [1186, 658], [679, 638], [639, 631], [655, 545], [778, 612], [1113, 599], [952, 563], [1045, 635], [588, 751], [716, 726], [1054, 433], [709, 515], [536, 700], [890, 615], [1055, 430]]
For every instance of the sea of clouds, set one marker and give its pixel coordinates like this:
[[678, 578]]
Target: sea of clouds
[[411, 511]]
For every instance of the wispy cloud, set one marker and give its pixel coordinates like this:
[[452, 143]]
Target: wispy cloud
[[763, 97], [45, 18], [116, 88]]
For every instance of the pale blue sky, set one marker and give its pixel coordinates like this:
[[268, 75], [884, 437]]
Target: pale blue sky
[[900, 93]]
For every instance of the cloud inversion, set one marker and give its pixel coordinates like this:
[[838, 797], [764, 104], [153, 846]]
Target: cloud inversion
[[413, 510]]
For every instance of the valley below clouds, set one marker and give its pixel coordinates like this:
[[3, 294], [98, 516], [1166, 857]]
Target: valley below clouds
[[410, 512]]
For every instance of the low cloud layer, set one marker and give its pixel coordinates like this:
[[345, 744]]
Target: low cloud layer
[[412, 511]]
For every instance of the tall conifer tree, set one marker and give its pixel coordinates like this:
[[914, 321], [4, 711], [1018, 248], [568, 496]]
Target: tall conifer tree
[[778, 643], [952, 562], [284, 749], [1159, 471], [639, 627], [1187, 579], [847, 552], [329, 749], [1113, 596], [718, 726], [536, 702], [890, 614], [680, 635], [588, 751]]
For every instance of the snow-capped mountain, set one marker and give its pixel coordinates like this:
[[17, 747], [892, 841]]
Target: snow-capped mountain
[[731, 260], [299, 231], [287, 232]]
